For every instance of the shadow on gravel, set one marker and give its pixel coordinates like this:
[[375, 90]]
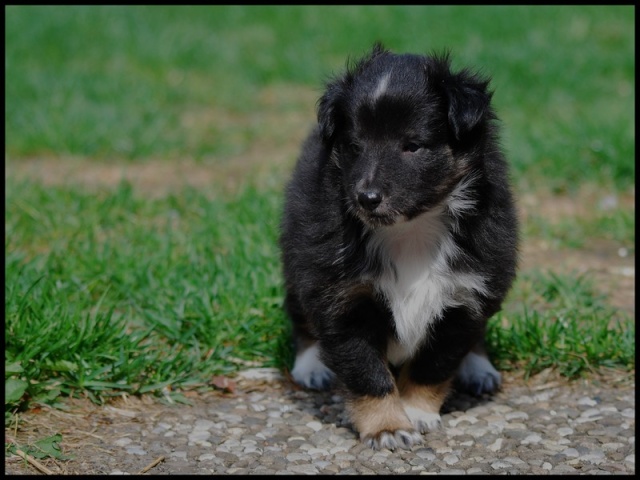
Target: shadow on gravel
[[329, 406], [460, 402]]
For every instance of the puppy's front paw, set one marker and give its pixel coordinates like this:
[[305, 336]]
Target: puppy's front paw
[[476, 375], [392, 440], [382, 422], [423, 421], [422, 403]]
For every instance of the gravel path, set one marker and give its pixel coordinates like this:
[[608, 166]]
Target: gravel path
[[267, 426]]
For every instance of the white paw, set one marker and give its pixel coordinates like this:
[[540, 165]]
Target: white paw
[[392, 440], [423, 421], [310, 372], [477, 376]]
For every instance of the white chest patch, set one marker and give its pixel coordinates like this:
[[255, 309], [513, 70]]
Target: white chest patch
[[417, 282]]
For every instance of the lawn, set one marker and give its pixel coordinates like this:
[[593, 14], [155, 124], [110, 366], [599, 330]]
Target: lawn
[[151, 285]]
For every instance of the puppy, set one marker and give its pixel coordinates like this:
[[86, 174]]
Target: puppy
[[399, 241]]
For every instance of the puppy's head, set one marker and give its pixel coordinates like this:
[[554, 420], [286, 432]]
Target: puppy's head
[[403, 130]]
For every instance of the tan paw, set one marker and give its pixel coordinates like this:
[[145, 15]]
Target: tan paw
[[382, 422]]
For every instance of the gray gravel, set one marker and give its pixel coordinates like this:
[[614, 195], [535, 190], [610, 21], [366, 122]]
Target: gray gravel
[[269, 427]]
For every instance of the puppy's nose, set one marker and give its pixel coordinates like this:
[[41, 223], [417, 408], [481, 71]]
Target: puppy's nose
[[370, 199]]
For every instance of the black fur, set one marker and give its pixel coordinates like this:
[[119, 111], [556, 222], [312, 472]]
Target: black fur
[[384, 153]]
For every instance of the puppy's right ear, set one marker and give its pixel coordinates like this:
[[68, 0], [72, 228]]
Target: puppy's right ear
[[329, 110]]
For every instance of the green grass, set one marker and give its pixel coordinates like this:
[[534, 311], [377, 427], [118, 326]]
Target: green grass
[[560, 321], [112, 291]]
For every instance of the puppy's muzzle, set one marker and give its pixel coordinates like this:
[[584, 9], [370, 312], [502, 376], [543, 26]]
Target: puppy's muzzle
[[369, 199]]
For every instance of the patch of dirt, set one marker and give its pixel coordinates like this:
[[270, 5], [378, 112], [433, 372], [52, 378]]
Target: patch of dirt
[[284, 114], [614, 275], [153, 178], [611, 266]]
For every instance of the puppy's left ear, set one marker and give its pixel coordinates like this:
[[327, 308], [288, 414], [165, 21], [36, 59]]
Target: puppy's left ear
[[468, 97]]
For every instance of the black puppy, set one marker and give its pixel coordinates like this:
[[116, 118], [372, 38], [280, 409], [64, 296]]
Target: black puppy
[[399, 241]]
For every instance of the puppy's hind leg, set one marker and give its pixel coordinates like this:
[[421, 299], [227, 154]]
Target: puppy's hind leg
[[308, 370], [476, 375]]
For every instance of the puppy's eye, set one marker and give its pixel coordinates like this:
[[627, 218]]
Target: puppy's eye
[[411, 147]]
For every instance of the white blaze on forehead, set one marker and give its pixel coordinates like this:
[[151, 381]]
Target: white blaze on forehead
[[382, 86]]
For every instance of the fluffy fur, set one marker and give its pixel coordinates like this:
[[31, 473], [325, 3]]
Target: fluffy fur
[[399, 240]]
